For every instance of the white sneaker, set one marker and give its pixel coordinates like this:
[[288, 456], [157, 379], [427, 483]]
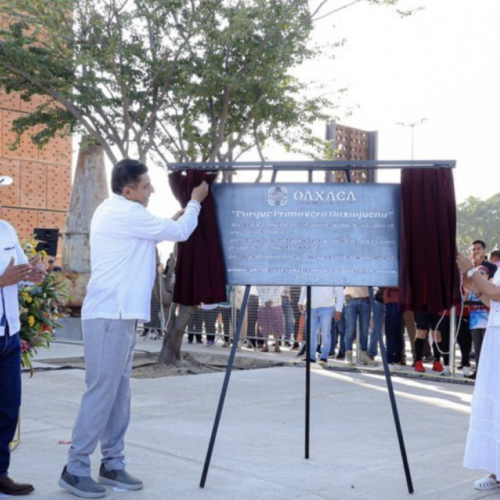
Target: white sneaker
[[348, 358], [366, 360], [466, 371], [446, 371], [486, 483]]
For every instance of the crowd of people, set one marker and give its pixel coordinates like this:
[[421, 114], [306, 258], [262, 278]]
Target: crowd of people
[[341, 317]]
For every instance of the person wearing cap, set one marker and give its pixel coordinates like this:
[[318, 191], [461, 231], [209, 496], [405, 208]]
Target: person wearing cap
[[52, 268], [123, 238], [14, 268]]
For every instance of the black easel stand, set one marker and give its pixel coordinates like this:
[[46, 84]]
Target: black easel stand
[[308, 369], [392, 398], [333, 165], [224, 387]]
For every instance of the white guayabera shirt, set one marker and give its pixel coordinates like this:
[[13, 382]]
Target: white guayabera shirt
[[9, 302], [123, 237], [324, 296]]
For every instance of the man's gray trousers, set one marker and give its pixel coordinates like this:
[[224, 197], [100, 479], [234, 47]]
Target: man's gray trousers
[[105, 408]]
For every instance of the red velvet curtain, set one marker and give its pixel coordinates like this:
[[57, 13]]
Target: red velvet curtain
[[200, 273], [429, 278]]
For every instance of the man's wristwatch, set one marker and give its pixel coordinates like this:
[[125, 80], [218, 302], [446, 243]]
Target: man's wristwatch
[[471, 272]]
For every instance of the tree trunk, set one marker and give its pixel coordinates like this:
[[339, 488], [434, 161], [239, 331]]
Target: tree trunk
[[89, 190], [171, 349]]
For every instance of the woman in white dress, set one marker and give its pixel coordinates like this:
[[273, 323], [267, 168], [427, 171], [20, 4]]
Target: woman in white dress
[[482, 450]]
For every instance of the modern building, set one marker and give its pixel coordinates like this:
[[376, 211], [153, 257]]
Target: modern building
[[350, 143], [39, 197]]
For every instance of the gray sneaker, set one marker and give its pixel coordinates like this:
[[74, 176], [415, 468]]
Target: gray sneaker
[[119, 478], [81, 486]]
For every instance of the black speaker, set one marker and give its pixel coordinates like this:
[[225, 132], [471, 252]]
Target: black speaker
[[47, 240], [48, 235]]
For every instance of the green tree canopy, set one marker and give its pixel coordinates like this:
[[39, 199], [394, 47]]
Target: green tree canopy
[[186, 80], [479, 220]]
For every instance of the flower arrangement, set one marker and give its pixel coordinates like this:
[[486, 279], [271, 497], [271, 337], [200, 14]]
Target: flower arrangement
[[40, 308], [29, 248]]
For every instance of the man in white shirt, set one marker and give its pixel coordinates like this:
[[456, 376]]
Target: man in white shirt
[[123, 238], [326, 303], [14, 268]]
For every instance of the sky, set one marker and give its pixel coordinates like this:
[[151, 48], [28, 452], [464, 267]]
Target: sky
[[441, 64]]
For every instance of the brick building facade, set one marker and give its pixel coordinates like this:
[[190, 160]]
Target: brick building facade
[[40, 194]]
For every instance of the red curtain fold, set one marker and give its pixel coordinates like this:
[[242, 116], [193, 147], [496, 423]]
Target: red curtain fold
[[200, 273], [429, 278]]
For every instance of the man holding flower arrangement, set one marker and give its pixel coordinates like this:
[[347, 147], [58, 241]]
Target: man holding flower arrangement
[[14, 268]]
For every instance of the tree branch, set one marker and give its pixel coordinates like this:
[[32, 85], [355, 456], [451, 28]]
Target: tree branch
[[67, 104], [245, 126], [336, 10]]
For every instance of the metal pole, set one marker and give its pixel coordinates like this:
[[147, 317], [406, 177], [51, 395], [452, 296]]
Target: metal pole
[[453, 329], [412, 127], [308, 357], [162, 309], [224, 388], [358, 346], [412, 140], [392, 398], [308, 370]]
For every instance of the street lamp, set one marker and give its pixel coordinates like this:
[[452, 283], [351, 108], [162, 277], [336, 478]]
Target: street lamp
[[412, 126]]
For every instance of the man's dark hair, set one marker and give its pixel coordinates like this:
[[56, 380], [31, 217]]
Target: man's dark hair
[[126, 172], [479, 242], [495, 253]]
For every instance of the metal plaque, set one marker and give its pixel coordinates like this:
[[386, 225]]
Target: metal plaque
[[309, 234]]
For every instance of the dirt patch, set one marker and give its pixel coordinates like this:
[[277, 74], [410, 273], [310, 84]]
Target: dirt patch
[[145, 364]]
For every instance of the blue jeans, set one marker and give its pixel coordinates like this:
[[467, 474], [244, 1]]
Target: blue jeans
[[321, 317], [289, 318], [378, 321], [10, 394], [355, 308], [393, 337], [338, 335]]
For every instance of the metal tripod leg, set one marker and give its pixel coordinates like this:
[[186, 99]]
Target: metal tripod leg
[[224, 388]]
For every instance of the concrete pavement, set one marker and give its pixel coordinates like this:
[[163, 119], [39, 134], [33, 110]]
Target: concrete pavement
[[260, 449]]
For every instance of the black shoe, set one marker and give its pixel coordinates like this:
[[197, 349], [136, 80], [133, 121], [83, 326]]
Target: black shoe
[[295, 346], [9, 487], [340, 356], [287, 344], [472, 376]]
